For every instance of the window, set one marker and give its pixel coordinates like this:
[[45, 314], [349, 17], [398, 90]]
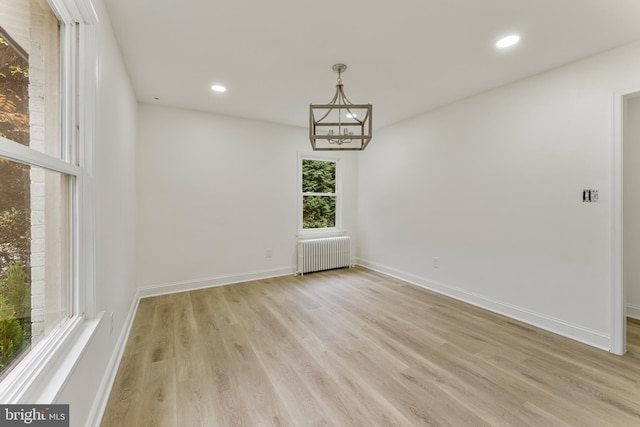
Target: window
[[319, 198], [41, 172], [34, 256]]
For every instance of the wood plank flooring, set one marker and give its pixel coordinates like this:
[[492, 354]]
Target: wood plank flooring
[[352, 347]]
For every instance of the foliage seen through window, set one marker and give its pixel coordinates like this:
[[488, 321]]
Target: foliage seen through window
[[318, 194]]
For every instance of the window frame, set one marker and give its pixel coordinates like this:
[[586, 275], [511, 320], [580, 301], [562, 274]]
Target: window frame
[[43, 370], [320, 232]]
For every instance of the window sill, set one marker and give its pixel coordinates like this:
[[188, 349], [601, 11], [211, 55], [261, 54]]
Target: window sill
[[40, 376], [320, 232]]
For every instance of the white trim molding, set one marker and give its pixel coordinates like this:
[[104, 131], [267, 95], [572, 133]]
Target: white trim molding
[[618, 300], [104, 390], [22, 154], [34, 378], [210, 282], [633, 311], [557, 326]]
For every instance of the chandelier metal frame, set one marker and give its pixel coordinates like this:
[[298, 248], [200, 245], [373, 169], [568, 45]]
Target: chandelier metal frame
[[339, 126]]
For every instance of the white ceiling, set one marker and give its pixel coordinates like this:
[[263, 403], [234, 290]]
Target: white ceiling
[[403, 56]]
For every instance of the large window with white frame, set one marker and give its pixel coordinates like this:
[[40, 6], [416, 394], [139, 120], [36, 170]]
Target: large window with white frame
[[319, 195], [41, 173]]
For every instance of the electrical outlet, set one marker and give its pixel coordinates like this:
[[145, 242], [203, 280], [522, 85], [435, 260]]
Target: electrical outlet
[[268, 252], [436, 263]]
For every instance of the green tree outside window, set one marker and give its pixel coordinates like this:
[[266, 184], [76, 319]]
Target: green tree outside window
[[318, 194], [15, 209]]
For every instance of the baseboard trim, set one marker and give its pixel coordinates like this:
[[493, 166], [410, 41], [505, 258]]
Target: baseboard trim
[[557, 326], [210, 282], [104, 390], [633, 311]]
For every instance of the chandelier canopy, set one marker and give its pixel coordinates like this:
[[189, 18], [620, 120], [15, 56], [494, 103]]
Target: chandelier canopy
[[340, 124]]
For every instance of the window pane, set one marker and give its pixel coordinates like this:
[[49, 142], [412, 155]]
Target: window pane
[[34, 256], [318, 176], [30, 75], [319, 212]]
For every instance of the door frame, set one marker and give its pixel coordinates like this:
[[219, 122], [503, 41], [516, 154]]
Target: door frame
[[618, 295]]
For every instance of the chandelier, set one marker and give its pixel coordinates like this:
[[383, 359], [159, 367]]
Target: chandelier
[[339, 125]]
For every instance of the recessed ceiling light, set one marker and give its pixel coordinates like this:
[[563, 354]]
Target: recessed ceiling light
[[508, 41], [218, 88]]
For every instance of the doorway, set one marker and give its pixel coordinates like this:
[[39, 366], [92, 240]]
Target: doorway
[[631, 204], [625, 217]]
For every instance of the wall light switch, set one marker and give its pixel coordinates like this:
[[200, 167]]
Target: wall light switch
[[590, 196]]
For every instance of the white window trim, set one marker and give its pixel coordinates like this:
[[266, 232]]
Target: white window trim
[[41, 374], [320, 232]]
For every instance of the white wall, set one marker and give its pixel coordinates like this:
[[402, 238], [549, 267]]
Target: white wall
[[631, 197], [214, 192], [115, 159], [492, 186]]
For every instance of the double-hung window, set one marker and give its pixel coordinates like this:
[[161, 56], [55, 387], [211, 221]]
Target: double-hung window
[[41, 186], [319, 197]]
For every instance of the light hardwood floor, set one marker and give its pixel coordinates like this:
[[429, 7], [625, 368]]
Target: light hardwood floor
[[352, 347]]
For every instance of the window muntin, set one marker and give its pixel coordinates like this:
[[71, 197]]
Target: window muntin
[[37, 185], [319, 194]]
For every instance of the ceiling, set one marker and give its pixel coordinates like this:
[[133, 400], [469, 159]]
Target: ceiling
[[403, 56]]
